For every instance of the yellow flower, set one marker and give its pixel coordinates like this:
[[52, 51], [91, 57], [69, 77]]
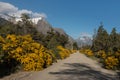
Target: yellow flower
[[19, 49], [31, 55], [111, 62], [11, 37], [63, 52]]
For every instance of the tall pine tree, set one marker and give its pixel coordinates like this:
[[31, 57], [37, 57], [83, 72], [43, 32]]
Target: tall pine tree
[[100, 41], [114, 40]]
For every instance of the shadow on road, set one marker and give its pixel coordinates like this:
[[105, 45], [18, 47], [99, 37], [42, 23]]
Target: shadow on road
[[82, 72]]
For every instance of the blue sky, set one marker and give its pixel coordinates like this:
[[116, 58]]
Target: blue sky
[[75, 16]]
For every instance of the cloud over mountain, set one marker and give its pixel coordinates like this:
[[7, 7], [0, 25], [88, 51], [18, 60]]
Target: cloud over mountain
[[84, 39], [9, 9]]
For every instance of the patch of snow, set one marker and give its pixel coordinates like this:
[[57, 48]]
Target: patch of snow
[[34, 20]]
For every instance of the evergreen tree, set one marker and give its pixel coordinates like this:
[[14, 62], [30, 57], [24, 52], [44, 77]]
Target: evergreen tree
[[25, 17], [75, 46], [100, 40], [52, 43], [114, 40]]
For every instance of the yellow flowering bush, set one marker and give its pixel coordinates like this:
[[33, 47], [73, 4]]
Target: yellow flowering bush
[[63, 52], [111, 62], [32, 62], [32, 55], [87, 52], [117, 55], [73, 51], [101, 54]]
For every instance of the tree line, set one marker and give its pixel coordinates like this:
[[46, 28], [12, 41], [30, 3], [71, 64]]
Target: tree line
[[106, 47], [102, 40]]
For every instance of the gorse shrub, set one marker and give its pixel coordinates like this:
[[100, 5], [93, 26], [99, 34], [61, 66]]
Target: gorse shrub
[[111, 62], [73, 51], [87, 52], [30, 54], [63, 52], [117, 54], [101, 54]]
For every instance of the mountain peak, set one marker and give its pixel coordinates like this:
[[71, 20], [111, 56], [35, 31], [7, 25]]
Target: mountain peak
[[84, 39]]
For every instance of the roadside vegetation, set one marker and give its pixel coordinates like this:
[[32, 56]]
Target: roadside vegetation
[[22, 47], [105, 47]]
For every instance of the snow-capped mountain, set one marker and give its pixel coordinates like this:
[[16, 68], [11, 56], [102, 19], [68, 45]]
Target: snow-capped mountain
[[5, 16], [34, 20], [16, 19], [84, 39]]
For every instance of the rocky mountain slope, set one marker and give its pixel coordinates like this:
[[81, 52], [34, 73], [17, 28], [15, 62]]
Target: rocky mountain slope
[[43, 26]]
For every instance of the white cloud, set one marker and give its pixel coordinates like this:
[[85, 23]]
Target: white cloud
[[39, 14], [7, 8], [85, 34], [19, 12]]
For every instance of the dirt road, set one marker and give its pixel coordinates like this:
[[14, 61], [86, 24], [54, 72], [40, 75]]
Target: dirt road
[[76, 67]]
